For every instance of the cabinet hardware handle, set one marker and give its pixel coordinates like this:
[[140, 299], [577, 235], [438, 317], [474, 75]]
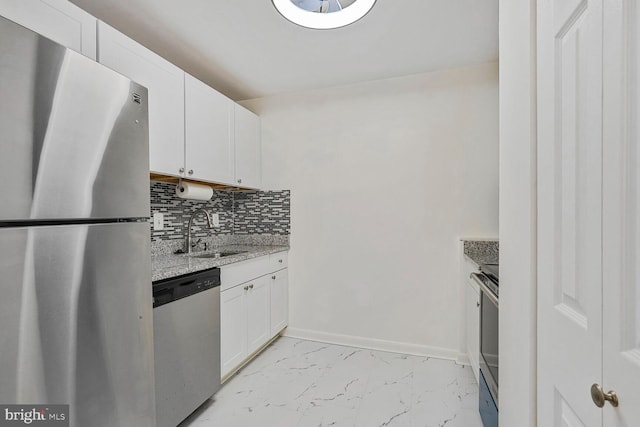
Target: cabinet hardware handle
[[190, 171], [246, 288], [599, 397], [477, 304], [273, 277], [280, 261], [240, 181], [251, 286], [181, 170]]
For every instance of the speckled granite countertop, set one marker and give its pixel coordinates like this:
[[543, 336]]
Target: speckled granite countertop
[[168, 265], [482, 251]]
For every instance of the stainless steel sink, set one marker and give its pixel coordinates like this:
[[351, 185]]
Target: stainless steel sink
[[218, 254]]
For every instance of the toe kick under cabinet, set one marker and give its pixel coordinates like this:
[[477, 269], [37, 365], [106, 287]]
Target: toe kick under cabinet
[[253, 307]]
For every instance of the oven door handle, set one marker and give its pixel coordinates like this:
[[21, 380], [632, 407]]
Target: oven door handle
[[485, 289]]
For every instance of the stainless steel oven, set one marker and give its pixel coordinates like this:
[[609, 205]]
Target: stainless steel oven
[[487, 279]]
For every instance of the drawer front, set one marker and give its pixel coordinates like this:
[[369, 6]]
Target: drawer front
[[241, 272], [278, 261]]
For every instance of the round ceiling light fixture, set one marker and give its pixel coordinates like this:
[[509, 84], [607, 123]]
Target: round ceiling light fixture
[[323, 14]]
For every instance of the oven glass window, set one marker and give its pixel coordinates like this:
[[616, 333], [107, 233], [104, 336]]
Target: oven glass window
[[489, 336]]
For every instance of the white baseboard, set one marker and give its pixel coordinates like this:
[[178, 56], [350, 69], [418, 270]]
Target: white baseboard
[[376, 344]]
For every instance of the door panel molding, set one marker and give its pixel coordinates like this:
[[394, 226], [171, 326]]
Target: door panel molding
[[565, 415], [569, 210]]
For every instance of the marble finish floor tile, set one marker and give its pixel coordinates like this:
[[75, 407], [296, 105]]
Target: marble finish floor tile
[[299, 383]]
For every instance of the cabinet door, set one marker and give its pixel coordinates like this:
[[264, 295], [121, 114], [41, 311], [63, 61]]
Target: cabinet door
[[233, 328], [258, 317], [473, 326], [279, 301], [58, 20], [248, 148], [209, 153], [165, 82]]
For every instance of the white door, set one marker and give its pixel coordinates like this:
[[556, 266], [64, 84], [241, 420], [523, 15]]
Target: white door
[[621, 214], [248, 148], [279, 301], [165, 83], [58, 20], [258, 317], [209, 150], [569, 211], [233, 328]]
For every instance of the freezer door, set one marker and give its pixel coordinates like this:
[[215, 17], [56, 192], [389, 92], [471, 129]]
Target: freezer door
[[77, 326], [74, 138]]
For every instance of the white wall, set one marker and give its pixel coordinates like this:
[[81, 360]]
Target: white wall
[[385, 177], [517, 213]]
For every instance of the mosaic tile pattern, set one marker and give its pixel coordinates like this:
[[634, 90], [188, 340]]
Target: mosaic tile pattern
[[177, 212], [260, 212]]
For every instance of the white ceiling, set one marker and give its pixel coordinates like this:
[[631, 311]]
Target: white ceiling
[[245, 49]]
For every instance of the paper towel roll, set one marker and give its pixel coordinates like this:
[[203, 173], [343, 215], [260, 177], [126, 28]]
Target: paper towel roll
[[189, 190]]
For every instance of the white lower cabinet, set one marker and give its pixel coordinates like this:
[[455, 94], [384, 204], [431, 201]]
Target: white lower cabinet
[[233, 334], [252, 312], [258, 319], [473, 325], [279, 301], [471, 292], [244, 317]]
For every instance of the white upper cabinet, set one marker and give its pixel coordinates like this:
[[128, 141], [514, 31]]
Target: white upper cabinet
[[209, 147], [248, 148], [57, 20], [165, 83]]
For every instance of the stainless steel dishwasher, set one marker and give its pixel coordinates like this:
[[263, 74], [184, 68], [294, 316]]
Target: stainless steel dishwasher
[[186, 328]]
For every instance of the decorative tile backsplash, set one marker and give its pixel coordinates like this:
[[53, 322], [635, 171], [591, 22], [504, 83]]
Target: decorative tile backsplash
[[259, 212], [262, 212]]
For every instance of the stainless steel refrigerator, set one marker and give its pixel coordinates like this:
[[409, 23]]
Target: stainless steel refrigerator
[[76, 321]]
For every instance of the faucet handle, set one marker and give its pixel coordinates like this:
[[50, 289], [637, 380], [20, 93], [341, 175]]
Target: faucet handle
[[196, 243]]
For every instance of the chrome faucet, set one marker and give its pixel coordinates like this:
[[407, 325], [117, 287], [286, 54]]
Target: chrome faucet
[[188, 234]]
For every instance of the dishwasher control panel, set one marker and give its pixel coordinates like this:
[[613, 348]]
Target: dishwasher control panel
[[169, 290]]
